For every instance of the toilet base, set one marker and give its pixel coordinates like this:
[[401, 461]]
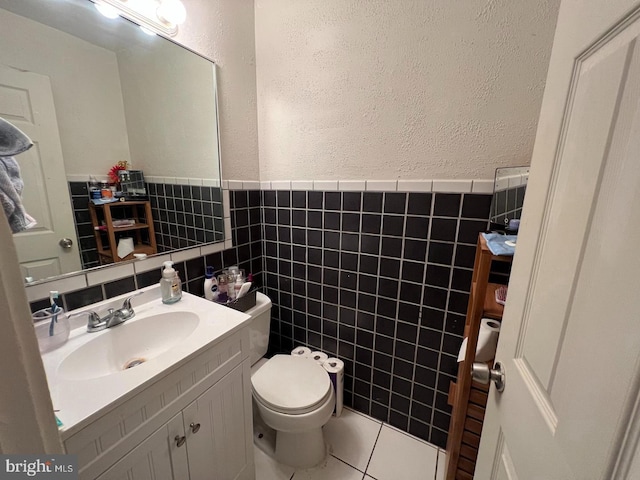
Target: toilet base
[[301, 449]]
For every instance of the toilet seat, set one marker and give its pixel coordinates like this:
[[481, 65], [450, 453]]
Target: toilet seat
[[291, 385]]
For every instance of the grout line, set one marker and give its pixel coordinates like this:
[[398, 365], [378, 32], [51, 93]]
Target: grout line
[[373, 449], [346, 463]]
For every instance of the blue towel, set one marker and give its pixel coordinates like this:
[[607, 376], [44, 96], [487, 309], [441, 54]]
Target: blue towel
[[497, 245]]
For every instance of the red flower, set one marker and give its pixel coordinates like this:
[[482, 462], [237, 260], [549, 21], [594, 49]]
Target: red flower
[[113, 172]]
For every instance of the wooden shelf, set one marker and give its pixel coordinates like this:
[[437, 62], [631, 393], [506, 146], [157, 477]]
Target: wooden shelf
[[467, 397], [491, 308], [108, 250]]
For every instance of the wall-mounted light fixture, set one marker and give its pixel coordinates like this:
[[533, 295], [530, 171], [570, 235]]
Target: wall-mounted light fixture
[[161, 16]]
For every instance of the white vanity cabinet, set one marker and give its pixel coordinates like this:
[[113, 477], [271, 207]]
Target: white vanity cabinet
[[194, 423]]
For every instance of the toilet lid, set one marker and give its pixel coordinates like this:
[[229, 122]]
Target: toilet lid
[[288, 384]]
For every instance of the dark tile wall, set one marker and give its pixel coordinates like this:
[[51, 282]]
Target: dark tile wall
[[247, 254], [380, 280], [79, 192], [507, 205], [184, 216]]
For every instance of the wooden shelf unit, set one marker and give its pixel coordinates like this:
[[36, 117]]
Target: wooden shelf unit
[[107, 251], [467, 397]]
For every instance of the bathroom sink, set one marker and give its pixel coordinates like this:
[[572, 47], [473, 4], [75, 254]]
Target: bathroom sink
[[128, 346]]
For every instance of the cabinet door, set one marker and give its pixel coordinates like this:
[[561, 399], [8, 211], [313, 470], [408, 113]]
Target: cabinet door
[[222, 447], [156, 458]]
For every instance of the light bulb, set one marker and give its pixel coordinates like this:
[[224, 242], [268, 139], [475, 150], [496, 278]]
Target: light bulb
[[172, 12], [107, 10]]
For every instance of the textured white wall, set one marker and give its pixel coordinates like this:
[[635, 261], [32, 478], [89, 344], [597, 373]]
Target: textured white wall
[[223, 30], [88, 84], [361, 89], [170, 109]]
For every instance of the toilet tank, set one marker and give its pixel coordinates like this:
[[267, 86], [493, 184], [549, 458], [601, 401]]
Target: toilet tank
[[259, 327]]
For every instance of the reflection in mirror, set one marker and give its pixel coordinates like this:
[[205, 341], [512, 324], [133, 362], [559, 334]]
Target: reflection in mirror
[[510, 186], [91, 92]]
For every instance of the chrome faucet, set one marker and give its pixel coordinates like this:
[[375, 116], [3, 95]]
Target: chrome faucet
[[113, 318]]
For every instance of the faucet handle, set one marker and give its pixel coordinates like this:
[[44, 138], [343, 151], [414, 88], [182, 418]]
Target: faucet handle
[[126, 312], [127, 301]]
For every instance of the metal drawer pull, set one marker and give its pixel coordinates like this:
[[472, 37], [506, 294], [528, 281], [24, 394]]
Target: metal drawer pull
[[180, 440], [194, 427]]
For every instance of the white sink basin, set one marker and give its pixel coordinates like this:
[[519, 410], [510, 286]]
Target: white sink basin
[[120, 349]]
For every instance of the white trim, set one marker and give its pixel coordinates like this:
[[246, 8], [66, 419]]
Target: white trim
[[281, 184], [211, 248], [482, 186], [151, 263], [251, 185], [62, 285], [382, 185], [184, 255], [235, 185], [104, 275], [422, 185], [331, 185], [352, 185], [415, 185], [452, 186], [301, 184]]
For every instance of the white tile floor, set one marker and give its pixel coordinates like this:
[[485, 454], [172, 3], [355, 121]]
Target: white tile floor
[[363, 448]]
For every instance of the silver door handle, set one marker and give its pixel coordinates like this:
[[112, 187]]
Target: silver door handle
[[481, 373], [65, 243]]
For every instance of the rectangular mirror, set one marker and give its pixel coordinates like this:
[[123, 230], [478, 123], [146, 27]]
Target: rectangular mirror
[[510, 186], [91, 92]]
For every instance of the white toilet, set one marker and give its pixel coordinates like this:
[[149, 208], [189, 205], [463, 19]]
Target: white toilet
[[293, 396]]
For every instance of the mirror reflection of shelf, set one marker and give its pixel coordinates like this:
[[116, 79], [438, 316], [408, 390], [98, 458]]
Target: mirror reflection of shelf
[[137, 218]]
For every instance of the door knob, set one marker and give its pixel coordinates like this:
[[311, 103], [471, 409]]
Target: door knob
[[481, 373], [66, 243], [194, 427]]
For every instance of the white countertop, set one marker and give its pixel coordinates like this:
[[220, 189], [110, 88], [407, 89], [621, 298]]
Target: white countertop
[[78, 402]]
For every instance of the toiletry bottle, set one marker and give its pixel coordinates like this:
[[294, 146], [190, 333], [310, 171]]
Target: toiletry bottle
[[231, 290], [94, 188], [170, 286], [210, 283], [223, 288], [238, 286]]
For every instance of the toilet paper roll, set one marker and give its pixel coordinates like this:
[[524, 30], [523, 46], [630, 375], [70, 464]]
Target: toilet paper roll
[[487, 341], [319, 357], [125, 246], [335, 369], [302, 352]]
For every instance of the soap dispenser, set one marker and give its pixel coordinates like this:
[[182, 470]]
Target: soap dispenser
[[170, 285]]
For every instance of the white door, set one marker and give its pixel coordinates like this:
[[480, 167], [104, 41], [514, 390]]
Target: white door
[[26, 101], [570, 340]]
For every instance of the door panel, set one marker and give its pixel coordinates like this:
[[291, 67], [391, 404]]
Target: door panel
[[26, 101], [570, 338], [218, 451], [157, 458]]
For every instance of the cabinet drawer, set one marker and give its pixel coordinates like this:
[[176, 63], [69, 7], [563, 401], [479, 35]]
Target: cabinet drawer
[[115, 433]]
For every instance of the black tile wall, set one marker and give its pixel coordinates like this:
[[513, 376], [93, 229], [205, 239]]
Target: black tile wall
[[184, 216], [247, 254], [381, 280], [507, 205]]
